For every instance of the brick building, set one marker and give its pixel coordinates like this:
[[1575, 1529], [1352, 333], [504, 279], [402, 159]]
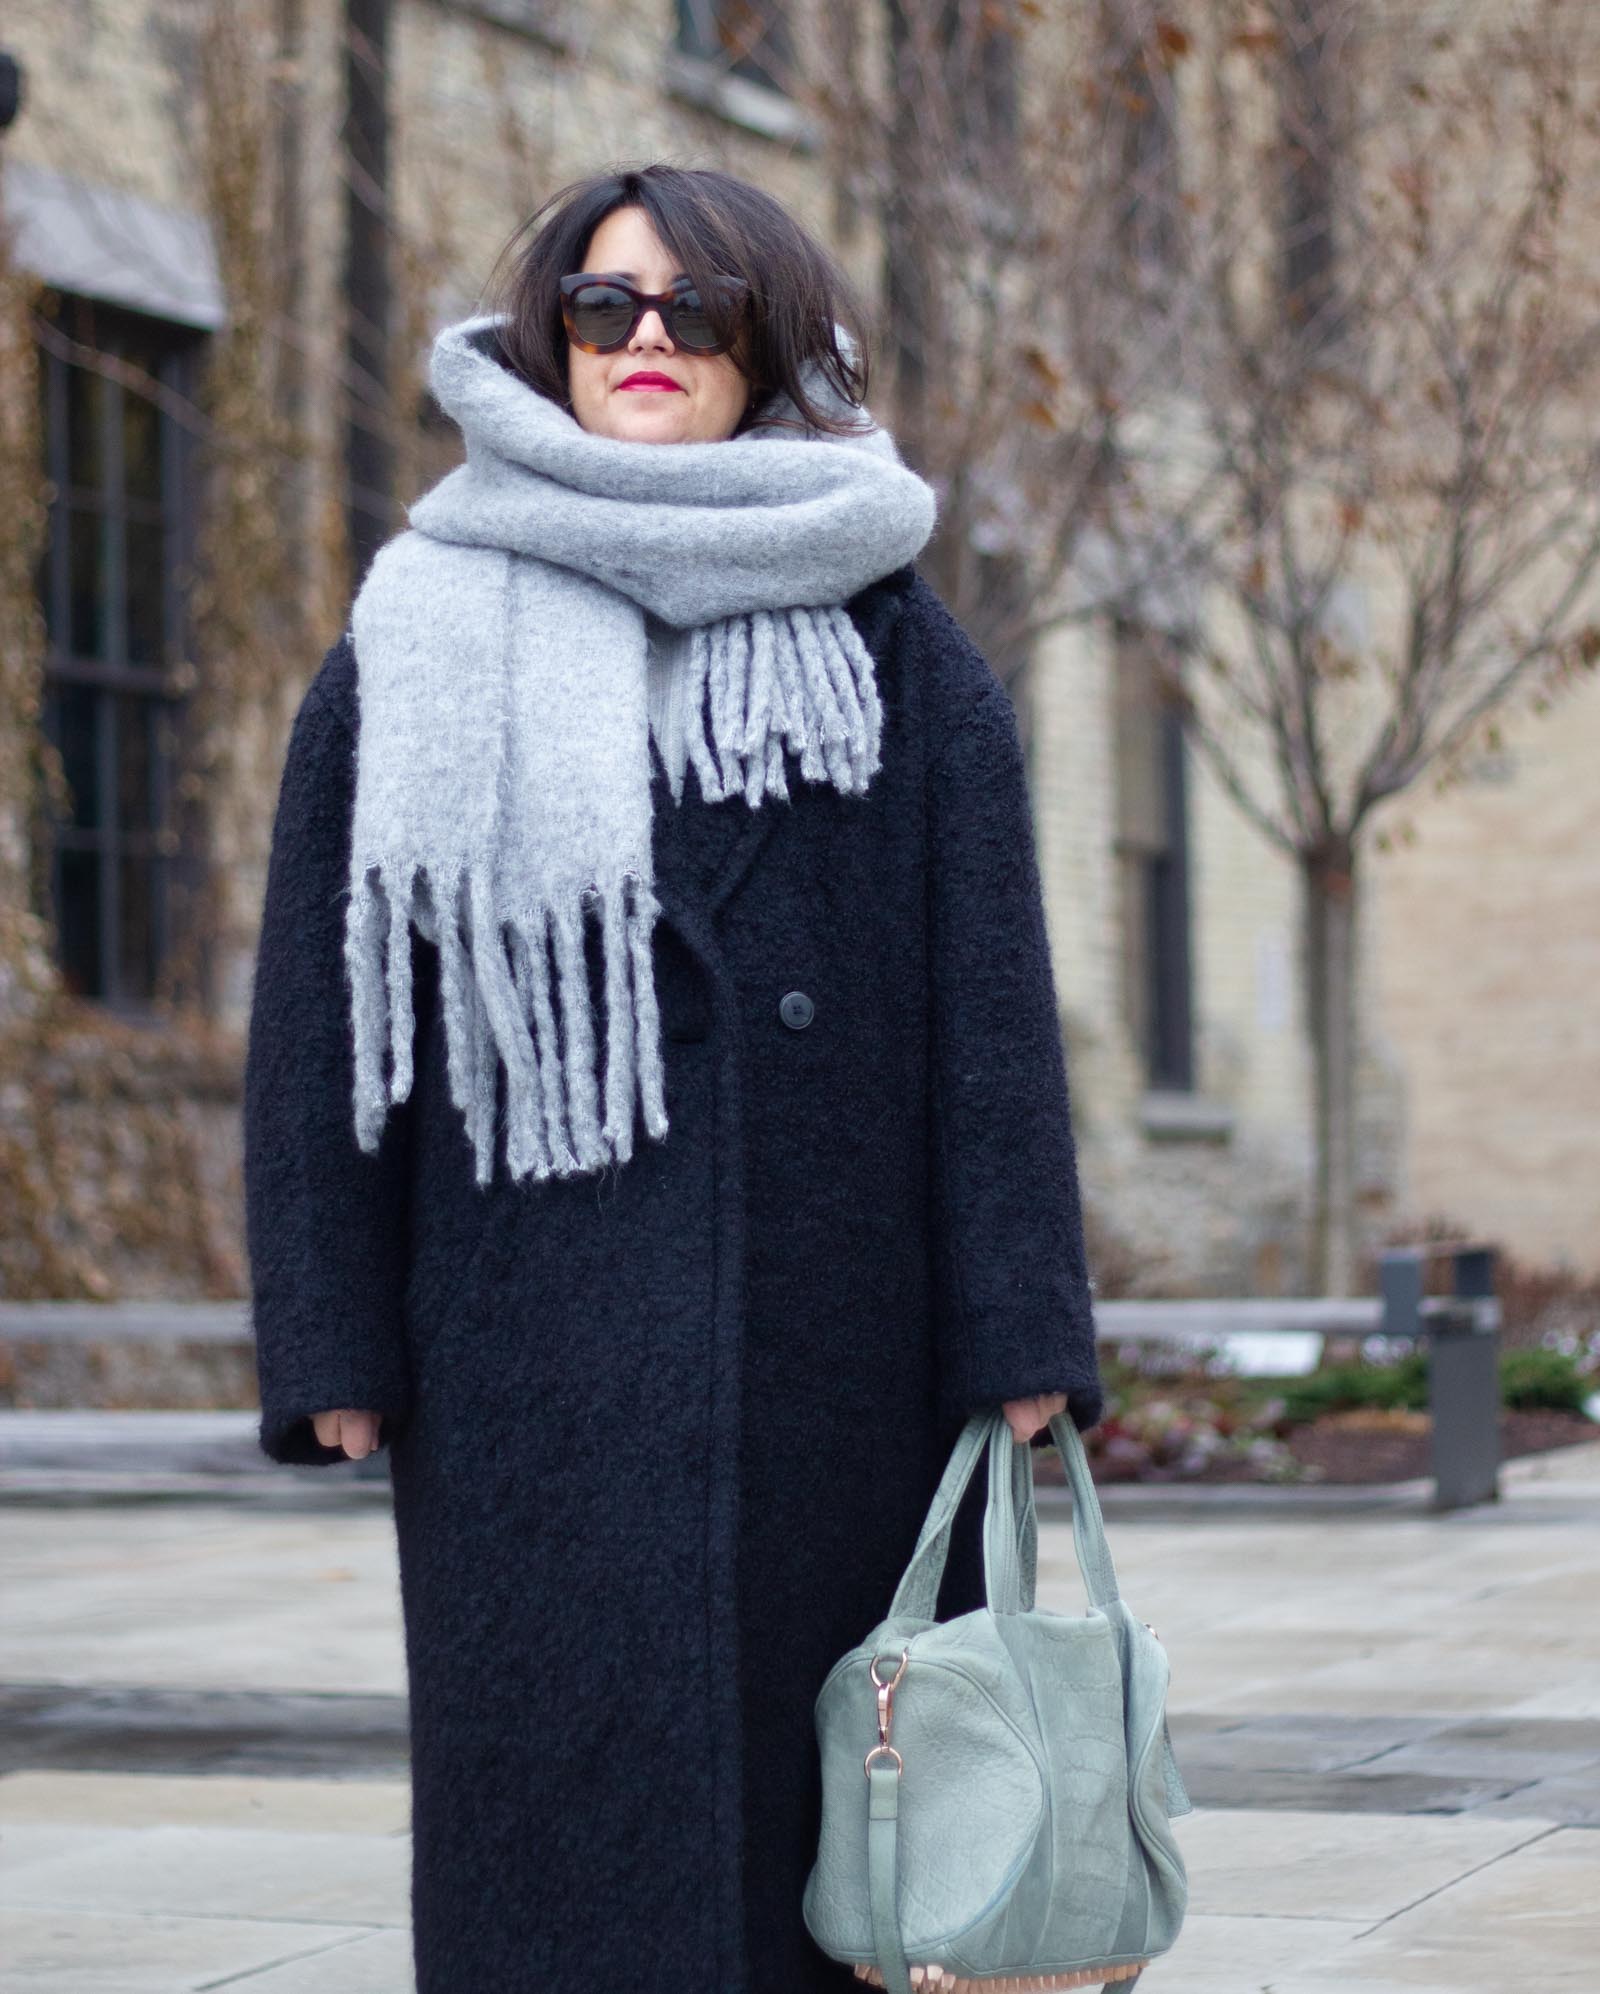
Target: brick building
[[1174, 926]]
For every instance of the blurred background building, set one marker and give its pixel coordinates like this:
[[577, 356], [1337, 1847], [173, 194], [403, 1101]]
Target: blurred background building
[[231, 231]]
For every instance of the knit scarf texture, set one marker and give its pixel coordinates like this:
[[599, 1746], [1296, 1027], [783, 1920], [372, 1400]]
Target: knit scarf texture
[[503, 776]]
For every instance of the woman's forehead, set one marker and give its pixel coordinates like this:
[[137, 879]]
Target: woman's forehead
[[626, 244]]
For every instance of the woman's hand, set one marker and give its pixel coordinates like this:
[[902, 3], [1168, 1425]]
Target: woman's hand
[[1028, 1415], [355, 1432]]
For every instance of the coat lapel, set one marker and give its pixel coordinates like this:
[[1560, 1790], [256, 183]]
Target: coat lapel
[[703, 850]]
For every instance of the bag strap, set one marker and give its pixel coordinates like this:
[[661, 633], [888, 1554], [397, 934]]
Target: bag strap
[[883, 1803], [1088, 1525], [1010, 1520], [1011, 1525], [918, 1591]]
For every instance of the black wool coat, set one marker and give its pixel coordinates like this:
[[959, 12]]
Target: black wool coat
[[661, 1441]]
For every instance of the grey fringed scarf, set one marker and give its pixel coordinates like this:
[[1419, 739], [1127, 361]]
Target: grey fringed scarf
[[503, 764]]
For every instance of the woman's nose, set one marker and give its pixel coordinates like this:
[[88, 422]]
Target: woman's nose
[[650, 331]]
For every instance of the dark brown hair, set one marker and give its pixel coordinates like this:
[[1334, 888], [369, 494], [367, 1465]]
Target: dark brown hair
[[712, 223]]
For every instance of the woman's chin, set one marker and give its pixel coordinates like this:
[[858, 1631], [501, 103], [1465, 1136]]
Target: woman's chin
[[655, 419]]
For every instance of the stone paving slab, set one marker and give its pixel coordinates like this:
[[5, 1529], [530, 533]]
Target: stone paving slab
[[178, 1870], [1528, 1921], [1363, 1868], [203, 1597], [86, 1951], [1217, 1954], [376, 1963], [130, 1800]]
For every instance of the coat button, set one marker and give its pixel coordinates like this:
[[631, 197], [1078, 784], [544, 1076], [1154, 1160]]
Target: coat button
[[796, 1009]]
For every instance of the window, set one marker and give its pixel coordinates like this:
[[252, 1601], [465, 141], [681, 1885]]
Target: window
[[745, 38], [109, 582], [1152, 856]]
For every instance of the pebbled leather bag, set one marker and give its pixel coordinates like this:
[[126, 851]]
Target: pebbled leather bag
[[998, 1789]]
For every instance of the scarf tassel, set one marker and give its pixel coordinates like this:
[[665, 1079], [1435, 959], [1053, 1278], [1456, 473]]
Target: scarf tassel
[[517, 987], [800, 678]]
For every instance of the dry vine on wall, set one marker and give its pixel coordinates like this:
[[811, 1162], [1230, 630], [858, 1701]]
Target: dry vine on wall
[[117, 1174]]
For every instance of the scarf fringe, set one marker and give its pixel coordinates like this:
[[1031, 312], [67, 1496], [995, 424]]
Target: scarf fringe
[[502, 994], [776, 677]]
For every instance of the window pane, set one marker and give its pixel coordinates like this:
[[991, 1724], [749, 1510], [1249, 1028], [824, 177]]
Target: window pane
[[44, 594], [86, 583], [76, 714], [748, 37], [136, 937], [141, 441], [85, 416], [134, 788], [78, 918], [146, 591]]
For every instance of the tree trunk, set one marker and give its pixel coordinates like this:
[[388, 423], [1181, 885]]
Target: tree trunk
[[368, 286], [907, 304], [1328, 879]]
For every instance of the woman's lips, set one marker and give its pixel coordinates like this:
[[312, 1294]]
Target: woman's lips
[[649, 384]]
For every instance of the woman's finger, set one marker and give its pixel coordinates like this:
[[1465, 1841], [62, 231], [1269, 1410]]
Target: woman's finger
[[356, 1432]]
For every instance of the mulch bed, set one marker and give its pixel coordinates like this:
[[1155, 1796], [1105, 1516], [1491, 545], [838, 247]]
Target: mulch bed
[[1359, 1447], [1347, 1452]]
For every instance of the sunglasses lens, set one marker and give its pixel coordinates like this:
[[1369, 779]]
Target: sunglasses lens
[[693, 322], [600, 313]]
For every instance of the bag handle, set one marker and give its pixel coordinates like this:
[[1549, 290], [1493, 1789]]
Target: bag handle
[[1010, 1536], [1088, 1524], [1010, 1524]]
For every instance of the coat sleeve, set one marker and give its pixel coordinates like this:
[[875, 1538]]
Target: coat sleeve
[[1015, 1316], [325, 1221]]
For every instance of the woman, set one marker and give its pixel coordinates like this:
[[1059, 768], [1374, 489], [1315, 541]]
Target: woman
[[662, 1169]]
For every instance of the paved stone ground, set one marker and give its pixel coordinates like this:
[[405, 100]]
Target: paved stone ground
[[1389, 1720]]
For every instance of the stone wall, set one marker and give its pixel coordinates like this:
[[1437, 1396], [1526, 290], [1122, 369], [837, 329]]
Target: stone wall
[[1487, 966]]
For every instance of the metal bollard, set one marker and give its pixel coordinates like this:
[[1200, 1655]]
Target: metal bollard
[[1461, 1333]]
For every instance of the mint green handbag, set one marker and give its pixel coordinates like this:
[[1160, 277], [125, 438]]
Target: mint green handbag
[[1013, 1823]]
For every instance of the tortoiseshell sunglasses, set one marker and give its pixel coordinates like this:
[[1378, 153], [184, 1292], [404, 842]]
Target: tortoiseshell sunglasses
[[600, 313]]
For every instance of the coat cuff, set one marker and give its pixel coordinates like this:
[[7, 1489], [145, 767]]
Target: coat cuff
[[287, 1435], [1007, 1359]]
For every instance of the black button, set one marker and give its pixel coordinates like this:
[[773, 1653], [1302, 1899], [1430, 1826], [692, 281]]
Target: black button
[[796, 1009]]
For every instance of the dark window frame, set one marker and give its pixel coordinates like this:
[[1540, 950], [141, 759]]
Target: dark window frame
[[1170, 1052], [699, 35], [1152, 844], [124, 857]]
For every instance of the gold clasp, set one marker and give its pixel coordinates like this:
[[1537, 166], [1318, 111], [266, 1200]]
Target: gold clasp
[[886, 1692]]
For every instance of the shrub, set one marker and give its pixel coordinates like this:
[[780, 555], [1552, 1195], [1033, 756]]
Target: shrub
[[1338, 1387], [1529, 1379], [1533, 1379]]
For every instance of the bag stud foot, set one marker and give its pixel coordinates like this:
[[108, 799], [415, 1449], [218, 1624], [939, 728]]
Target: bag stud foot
[[934, 1976]]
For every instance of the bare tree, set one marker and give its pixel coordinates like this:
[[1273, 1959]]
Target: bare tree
[[1268, 320], [1385, 498]]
